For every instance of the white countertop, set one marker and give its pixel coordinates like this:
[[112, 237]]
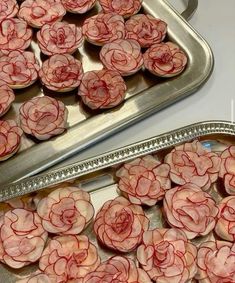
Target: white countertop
[[215, 22]]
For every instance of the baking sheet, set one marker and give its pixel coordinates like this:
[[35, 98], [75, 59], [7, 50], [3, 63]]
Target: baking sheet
[[146, 94], [102, 184]]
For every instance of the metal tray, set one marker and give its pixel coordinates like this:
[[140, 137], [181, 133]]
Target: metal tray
[[146, 94], [96, 175]]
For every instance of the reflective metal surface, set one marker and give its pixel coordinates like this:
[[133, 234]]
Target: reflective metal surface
[[97, 176], [146, 94]]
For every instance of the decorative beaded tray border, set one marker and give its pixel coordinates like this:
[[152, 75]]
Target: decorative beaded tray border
[[115, 157]]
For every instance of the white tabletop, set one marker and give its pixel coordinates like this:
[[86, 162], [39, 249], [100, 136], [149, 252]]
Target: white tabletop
[[214, 20]]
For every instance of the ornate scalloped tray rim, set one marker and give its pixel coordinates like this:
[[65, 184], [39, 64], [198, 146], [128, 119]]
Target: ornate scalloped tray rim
[[115, 157]]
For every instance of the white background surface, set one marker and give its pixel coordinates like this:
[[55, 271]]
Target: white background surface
[[214, 20]]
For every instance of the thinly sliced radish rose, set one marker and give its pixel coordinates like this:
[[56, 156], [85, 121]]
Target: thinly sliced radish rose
[[122, 55], [104, 28], [66, 211], [191, 210], [23, 238], [117, 269], [18, 69], [216, 262], [8, 9], [165, 59], [43, 117], [69, 258], [102, 89], [144, 180], [225, 227], [78, 6], [120, 225], [193, 163], [10, 138], [39, 12], [15, 34], [167, 256], [7, 96], [38, 277], [227, 169], [146, 29], [59, 38], [61, 72], [125, 8]]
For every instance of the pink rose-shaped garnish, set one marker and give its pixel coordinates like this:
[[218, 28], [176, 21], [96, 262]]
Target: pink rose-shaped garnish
[[23, 238], [10, 138], [193, 163], [69, 258], [122, 55], [120, 225], [6, 98], [117, 269], [18, 69], [227, 169], [102, 89], [39, 12], [8, 9], [144, 180], [225, 226], [78, 6], [165, 59], [191, 210], [15, 34], [61, 72], [43, 117], [167, 256], [66, 211], [146, 29], [125, 8], [216, 262], [59, 38], [104, 28]]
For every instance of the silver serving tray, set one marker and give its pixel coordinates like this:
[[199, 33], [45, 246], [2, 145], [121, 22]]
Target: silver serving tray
[[102, 165], [97, 176], [146, 95]]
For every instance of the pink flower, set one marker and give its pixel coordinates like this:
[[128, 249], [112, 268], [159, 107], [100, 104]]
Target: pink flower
[[66, 211], [104, 28], [15, 34], [6, 98], [144, 180], [43, 117], [78, 6], [39, 12], [18, 69], [192, 163], [122, 55], [61, 72], [215, 262], [68, 258], [225, 227], [146, 29], [120, 225], [167, 256], [10, 138], [102, 89], [227, 169], [125, 8], [8, 9], [117, 269], [59, 38], [191, 210], [165, 59], [23, 238]]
